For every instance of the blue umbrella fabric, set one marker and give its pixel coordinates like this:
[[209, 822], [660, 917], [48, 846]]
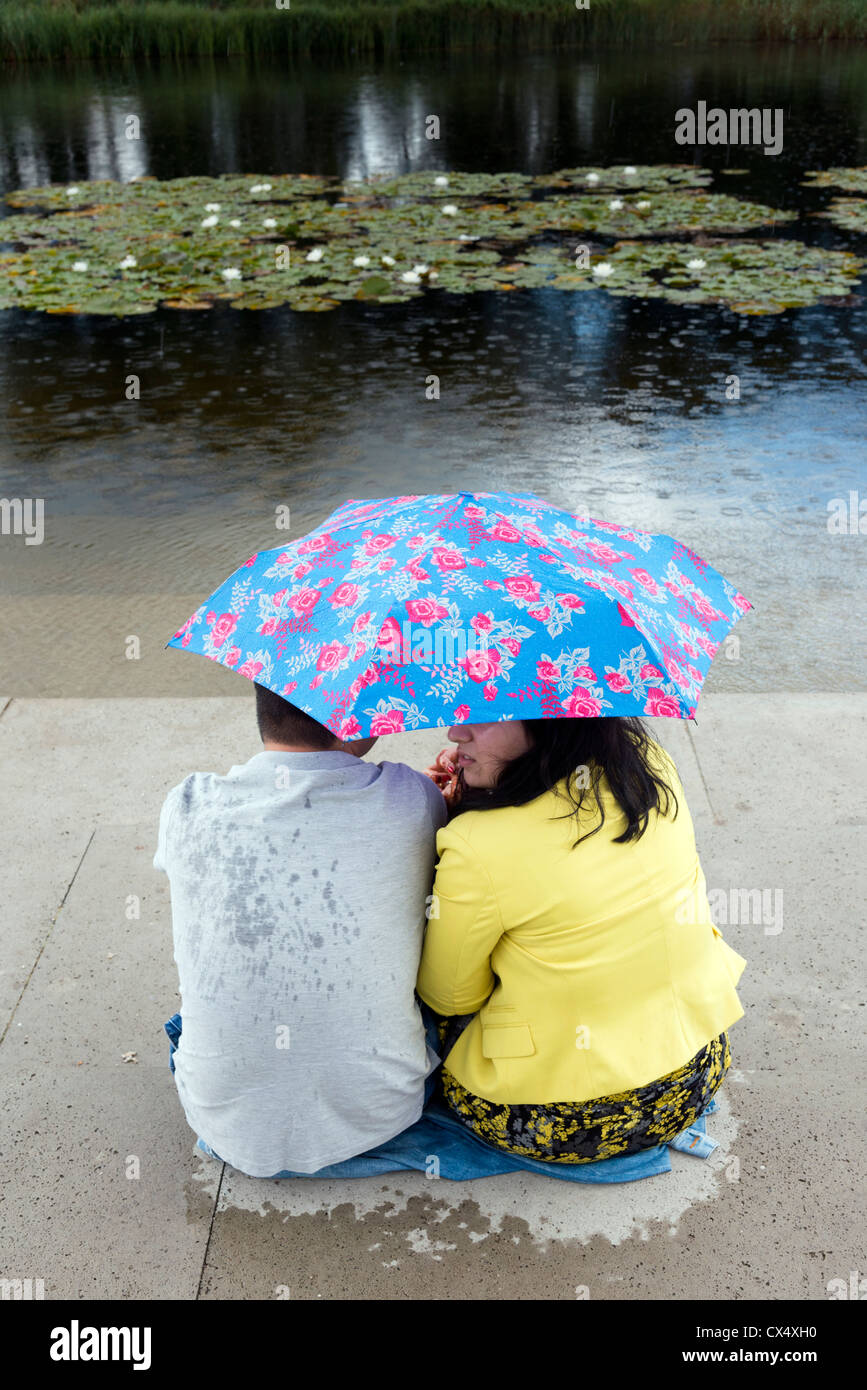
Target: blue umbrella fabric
[[421, 612]]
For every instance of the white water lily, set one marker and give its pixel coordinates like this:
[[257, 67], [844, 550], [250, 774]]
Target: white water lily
[[592, 178], [231, 273], [388, 260], [316, 254], [270, 222], [643, 205], [410, 277], [450, 209], [235, 222], [209, 221], [361, 260], [212, 207], [629, 169], [261, 188], [72, 191], [127, 263], [79, 265], [420, 269], [441, 181], [433, 275], [696, 264], [616, 204], [603, 269]]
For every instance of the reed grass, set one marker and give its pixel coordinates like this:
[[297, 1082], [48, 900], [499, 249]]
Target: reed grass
[[58, 30]]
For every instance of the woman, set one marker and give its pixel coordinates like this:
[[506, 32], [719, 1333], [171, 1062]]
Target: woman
[[584, 989]]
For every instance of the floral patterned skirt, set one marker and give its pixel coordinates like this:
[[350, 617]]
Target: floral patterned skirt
[[581, 1133]]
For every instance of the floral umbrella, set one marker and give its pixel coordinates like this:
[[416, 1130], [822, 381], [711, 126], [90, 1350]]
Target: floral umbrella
[[425, 611]]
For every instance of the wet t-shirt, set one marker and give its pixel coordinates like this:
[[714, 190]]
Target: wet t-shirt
[[299, 884]]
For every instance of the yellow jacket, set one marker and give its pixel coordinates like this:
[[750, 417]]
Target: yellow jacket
[[591, 970]]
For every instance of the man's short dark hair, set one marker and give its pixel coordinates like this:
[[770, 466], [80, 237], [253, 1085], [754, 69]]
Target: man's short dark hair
[[281, 722]]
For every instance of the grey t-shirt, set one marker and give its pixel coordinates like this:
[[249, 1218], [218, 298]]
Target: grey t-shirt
[[298, 886]]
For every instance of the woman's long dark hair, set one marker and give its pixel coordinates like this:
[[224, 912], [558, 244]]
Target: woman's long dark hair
[[617, 747]]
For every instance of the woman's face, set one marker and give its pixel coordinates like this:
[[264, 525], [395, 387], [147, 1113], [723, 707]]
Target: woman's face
[[484, 749]]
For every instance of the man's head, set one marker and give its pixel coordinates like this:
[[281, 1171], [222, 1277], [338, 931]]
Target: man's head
[[283, 725]]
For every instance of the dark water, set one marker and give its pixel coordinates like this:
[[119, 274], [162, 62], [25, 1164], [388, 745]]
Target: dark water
[[593, 401]]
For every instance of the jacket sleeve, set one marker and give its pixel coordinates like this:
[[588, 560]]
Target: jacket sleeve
[[455, 976]]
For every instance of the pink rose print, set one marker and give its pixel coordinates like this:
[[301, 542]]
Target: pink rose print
[[425, 611], [511, 644], [707, 645], [605, 525], [490, 692], [647, 581], [475, 560], [547, 671], [461, 713], [540, 614], [379, 543], [344, 595], [233, 655], [584, 673], [475, 513], [570, 601], [493, 584], [223, 628], [316, 543], [481, 623], [304, 601], [480, 666], [448, 559], [673, 669], [269, 626], [695, 673], [689, 649], [521, 586], [248, 564], [621, 587], [361, 621], [741, 603], [331, 656], [618, 681], [704, 607], [210, 618], [302, 569], [532, 537], [278, 598], [385, 565], [606, 553], [504, 531], [627, 619], [283, 558], [287, 689], [649, 673], [358, 650], [389, 634], [416, 542], [581, 705], [390, 722], [661, 705], [250, 668], [349, 728]]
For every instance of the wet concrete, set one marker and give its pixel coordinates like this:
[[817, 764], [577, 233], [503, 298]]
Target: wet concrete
[[103, 1194]]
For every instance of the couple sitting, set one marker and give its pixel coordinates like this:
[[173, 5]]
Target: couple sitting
[[543, 898]]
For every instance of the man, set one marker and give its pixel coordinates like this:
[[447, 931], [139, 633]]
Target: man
[[298, 885]]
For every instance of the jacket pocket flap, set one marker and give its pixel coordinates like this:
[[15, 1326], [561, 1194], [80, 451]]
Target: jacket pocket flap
[[507, 1040]]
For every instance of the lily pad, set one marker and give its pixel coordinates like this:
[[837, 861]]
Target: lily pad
[[850, 180], [848, 213], [262, 241]]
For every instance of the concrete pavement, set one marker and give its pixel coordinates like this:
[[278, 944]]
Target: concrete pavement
[[103, 1195]]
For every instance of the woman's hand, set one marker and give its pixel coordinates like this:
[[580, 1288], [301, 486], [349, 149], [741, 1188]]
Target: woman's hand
[[445, 774]]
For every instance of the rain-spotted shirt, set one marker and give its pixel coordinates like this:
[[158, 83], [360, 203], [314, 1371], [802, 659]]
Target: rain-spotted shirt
[[299, 884]]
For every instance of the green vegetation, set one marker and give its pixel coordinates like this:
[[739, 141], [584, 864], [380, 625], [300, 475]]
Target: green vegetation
[[80, 29], [310, 242]]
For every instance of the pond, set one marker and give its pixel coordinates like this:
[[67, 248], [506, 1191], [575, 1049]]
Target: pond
[[619, 405]]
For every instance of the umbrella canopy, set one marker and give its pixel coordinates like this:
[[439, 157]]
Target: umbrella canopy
[[422, 612]]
